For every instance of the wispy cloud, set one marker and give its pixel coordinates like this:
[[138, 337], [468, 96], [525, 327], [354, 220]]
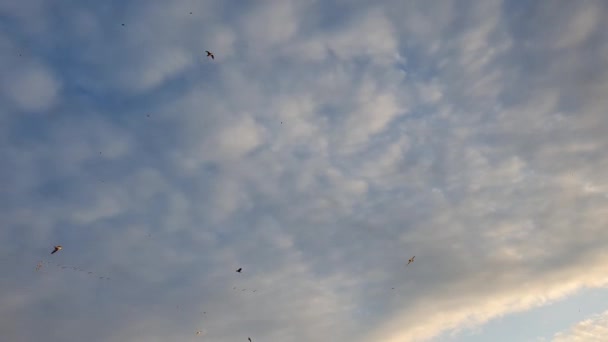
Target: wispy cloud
[[593, 329]]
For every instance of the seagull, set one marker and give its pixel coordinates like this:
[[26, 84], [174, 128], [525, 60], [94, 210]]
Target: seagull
[[239, 270], [57, 249], [209, 54], [411, 260]]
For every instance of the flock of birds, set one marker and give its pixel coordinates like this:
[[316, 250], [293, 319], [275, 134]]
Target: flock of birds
[[58, 248]]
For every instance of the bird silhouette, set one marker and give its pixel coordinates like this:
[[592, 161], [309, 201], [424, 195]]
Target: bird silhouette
[[210, 54], [57, 249], [411, 260], [239, 270], [249, 338]]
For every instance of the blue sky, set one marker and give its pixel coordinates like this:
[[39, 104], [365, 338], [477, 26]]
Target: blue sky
[[326, 144]]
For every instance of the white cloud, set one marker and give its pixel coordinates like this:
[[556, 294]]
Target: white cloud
[[157, 68], [271, 24], [593, 329], [580, 25], [238, 138], [33, 88]]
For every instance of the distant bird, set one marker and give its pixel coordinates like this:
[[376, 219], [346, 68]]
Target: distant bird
[[411, 260], [123, 24], [239, 270], [209, 54], [198, 332], [57, 249], [249, 338]]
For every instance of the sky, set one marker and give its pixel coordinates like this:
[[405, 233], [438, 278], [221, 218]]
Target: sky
[[326, 144]]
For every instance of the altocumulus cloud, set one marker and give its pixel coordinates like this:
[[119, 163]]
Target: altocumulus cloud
[[326, 144]]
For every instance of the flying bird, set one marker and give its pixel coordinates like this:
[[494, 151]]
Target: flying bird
[[57, 249], [411, 260], [239, 270], [249, 338], [209, 54]]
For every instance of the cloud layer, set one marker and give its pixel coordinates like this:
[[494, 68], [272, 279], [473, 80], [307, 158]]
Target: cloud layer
[[326, 144]]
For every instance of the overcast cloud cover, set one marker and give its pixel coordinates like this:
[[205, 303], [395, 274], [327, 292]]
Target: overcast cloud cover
[[326, 144]]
